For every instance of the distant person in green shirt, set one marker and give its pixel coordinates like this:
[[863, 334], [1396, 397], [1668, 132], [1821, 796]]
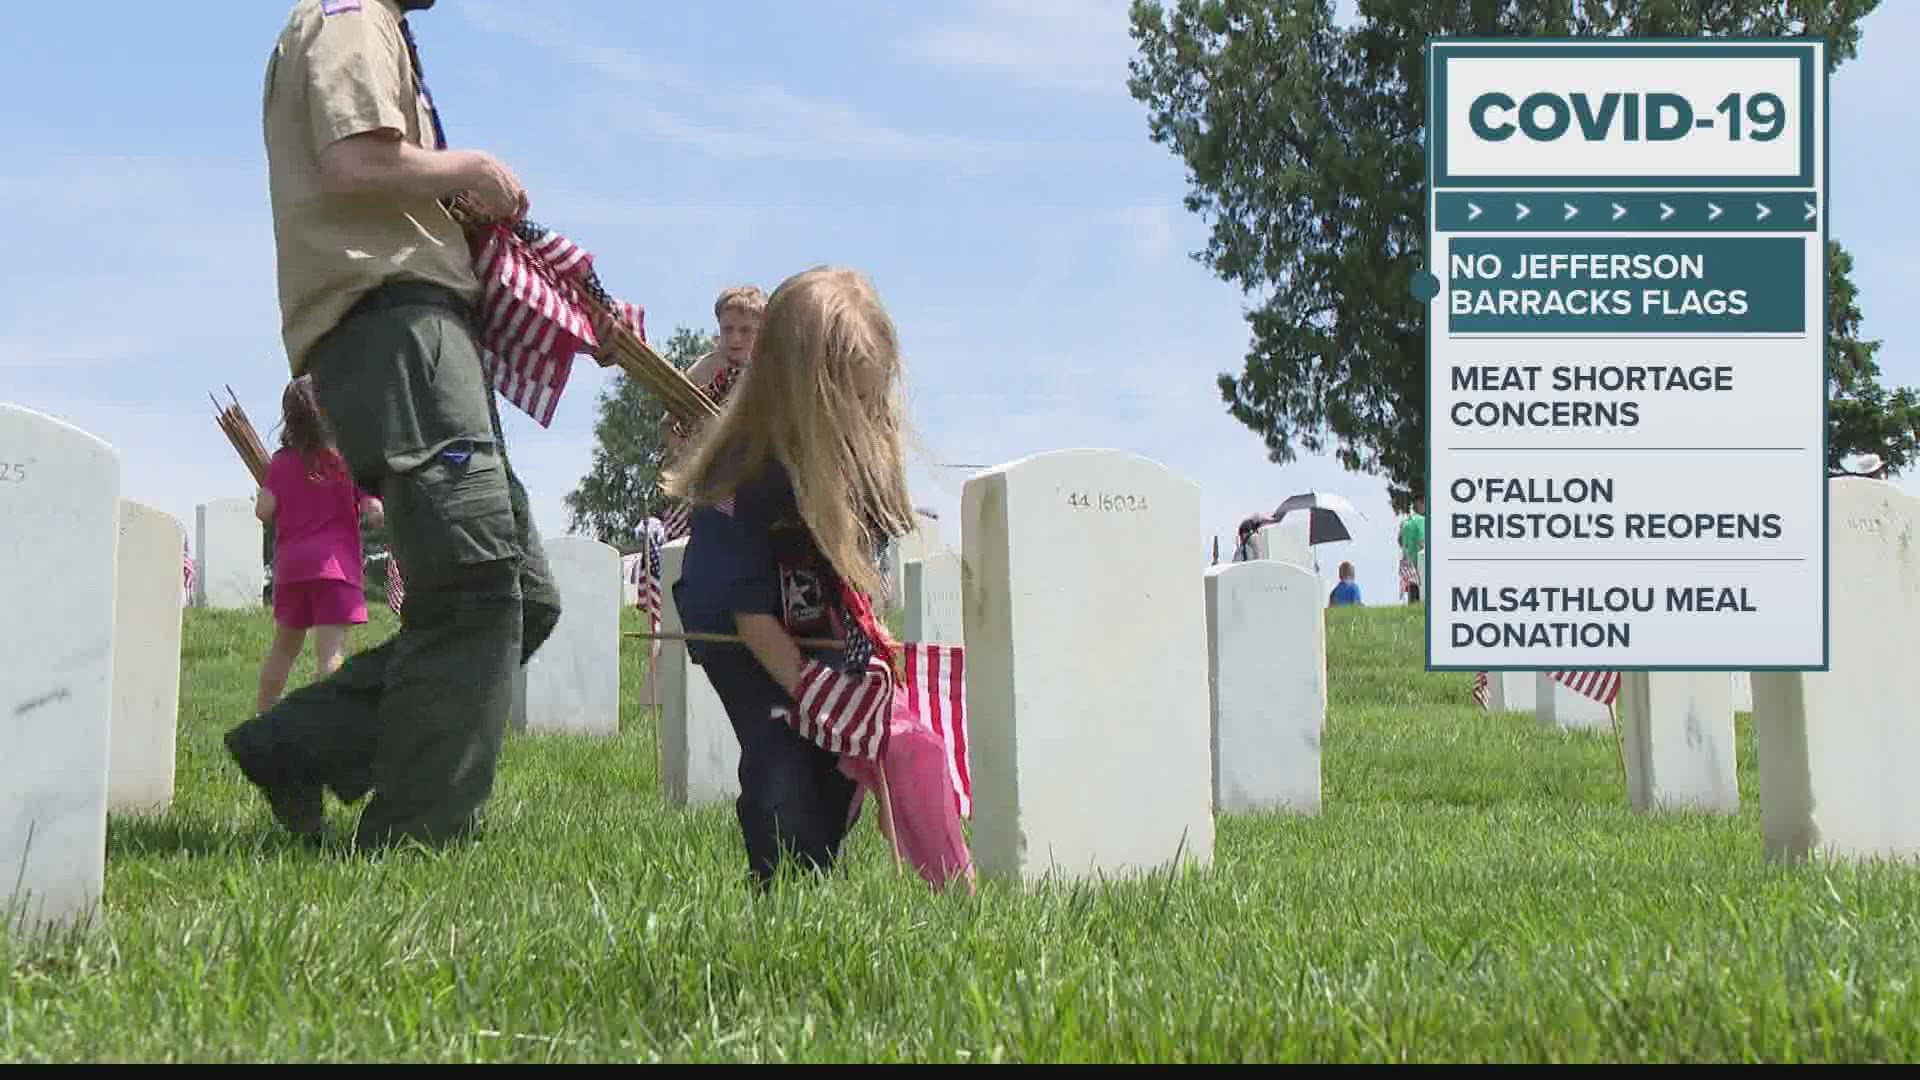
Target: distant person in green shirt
[[1413, 541]]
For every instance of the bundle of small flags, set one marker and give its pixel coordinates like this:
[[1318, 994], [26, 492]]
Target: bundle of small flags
[[533, 316]]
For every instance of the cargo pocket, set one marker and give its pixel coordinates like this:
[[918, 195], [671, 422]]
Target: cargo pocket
[[454, 510]]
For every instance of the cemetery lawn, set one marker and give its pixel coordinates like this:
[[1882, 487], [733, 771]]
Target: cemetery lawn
[[1475, 890]]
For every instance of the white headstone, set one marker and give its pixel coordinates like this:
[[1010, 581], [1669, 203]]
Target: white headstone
[[1676, 730], [933, 599], [573, 682], [919, 541], [1742, 691], [146, 660], [699, 753], [1087, 696], [1556, 705], [1511, 691], [630, 568], [1839, 750], [59, 535], [1286, 541], [1266, 636], [230, 569]]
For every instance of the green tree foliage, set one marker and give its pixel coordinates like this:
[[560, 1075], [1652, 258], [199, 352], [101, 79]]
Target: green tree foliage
[[1304, 144], [621, 489], [1862, 417]]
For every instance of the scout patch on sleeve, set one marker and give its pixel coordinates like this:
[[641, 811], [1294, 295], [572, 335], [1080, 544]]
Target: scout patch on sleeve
[[338, 7], [803, 600]]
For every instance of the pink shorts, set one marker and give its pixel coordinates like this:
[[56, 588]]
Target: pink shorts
[[302, 605]]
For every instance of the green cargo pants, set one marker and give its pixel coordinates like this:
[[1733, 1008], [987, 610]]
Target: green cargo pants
[[419, 719]]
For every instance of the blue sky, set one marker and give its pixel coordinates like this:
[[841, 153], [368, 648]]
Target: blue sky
[[979, 159]]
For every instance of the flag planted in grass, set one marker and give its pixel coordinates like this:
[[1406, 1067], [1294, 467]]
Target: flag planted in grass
[[1600, 686], [937, 689]]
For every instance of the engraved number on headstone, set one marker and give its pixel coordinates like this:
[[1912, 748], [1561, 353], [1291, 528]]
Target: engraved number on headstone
[[13, 472], [1106, 501]]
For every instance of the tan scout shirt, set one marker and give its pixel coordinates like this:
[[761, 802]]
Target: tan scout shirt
[[333, 75]]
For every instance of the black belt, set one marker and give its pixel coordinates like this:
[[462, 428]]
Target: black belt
[[393, 294]]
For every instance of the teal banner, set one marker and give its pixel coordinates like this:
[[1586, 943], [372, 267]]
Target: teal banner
[[1626, 285]]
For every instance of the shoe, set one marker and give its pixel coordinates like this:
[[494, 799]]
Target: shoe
[[297, 806]]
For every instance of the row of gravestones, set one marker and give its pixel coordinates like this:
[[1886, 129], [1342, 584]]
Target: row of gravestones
[[1132, 668], [1142, 684]]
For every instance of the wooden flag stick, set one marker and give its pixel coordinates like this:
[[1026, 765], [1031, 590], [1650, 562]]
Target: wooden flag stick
[[727, 639], [885, 799]]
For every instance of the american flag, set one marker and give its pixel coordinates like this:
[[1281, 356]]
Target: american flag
[[678, 522], [1601, 686], [936, 688], [1409, 575], [1481, 693], [645, 573], [847, 711], [532, 318], [396, 587], [186, 567]]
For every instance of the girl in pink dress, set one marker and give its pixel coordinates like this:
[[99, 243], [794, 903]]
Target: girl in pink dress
[[314, 508]]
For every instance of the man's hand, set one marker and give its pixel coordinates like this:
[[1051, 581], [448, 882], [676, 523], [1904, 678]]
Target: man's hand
[[495, 188]]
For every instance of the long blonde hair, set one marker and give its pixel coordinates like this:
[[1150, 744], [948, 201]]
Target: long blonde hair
[[818, 397]]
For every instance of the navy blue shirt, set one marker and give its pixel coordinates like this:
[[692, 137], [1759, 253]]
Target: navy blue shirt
[[755, 556]]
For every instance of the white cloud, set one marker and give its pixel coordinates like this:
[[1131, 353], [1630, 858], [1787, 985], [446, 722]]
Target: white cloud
[[1073, 45], [762, 122]]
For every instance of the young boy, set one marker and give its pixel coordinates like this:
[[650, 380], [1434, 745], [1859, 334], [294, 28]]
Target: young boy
[[1347, 592]]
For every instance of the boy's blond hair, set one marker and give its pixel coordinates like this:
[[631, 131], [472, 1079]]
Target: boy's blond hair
[[745, 299], [819, 399]]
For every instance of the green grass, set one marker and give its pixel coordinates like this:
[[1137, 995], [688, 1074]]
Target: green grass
[[1475, 890]]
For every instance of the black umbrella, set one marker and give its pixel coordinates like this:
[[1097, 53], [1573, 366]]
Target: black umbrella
[[1326, 525]]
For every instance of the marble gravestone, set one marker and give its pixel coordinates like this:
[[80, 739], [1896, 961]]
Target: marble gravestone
[[59, 540], [146, 660], [228, 571], [1286, 541], [1511, 691], [631, 567], [933, 599], [1677, 738], [1557, 706], [699, 754], [1838, 750], [1742, 691], [1087, 701], [1266, 638], [573, 682]]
